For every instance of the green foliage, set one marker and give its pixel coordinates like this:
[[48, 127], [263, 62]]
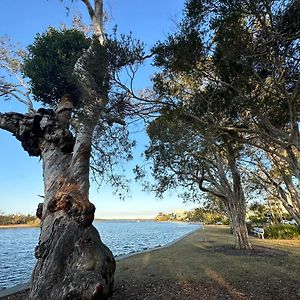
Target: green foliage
[[50, 64], [258, 220], [53, 54], [162, 217], [207, 216], [281, 231], [259, 216], [168, 143], [288, 21], [179, 53], [200, 214], [123, 51], [231, 56]]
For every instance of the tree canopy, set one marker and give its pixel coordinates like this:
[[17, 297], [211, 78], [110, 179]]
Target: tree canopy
[[50, 63], [232, 70]]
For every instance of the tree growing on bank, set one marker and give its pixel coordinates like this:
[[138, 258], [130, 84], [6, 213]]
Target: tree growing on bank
[[268, 86], [233, 70], [257, 63], [189, 156], [73, 77], [198, 106]]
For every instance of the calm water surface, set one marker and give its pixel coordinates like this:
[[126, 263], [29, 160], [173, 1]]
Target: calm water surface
[[122, 237]]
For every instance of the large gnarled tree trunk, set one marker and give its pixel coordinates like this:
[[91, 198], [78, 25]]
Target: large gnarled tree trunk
[[72, 262]]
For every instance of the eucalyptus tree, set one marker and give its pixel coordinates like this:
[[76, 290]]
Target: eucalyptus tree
[[73, 77], [192, 157], [257, 58], [233, 66], [187, 83]]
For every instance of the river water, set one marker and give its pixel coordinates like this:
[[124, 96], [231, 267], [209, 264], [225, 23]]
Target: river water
[[122, 237]]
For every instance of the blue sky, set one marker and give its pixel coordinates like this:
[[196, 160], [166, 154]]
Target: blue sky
[[21, 175]]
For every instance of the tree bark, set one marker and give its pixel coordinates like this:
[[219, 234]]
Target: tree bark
[[237, 214], [72, 262], [230, 192], [292, 210], [237, 204]]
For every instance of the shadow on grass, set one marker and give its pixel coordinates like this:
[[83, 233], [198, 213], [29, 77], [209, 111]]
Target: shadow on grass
[[257, 251]]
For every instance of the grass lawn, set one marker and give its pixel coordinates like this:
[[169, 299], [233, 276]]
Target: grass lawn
[[205, 265]]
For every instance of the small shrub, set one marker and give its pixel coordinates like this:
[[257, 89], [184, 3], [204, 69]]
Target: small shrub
[[258, 221], [282, 231], [226, 222]]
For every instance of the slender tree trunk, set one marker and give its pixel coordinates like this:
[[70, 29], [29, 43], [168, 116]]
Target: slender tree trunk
[[237, 214], [237, 204]]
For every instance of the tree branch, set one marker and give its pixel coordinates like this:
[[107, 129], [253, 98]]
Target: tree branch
[[89, 8], [10, 122], [207, 190]]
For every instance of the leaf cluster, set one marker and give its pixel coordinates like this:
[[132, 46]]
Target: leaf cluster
[[237, 57], [228, 75], [50, 64]]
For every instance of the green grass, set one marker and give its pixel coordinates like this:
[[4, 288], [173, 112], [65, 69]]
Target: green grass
[[208, 257]]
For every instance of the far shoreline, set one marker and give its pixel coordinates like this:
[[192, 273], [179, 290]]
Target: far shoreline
[[16, 226], [8, 226]]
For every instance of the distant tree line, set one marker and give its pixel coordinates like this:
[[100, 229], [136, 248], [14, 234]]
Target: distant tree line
[[200, 214], [18, 219]]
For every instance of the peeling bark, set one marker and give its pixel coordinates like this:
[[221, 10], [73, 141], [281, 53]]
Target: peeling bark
[[237, 212]]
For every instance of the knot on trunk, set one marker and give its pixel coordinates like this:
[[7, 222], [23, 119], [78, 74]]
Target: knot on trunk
[[64, 111], [39, 211], [29, 133], [59, 137], [74, 204]]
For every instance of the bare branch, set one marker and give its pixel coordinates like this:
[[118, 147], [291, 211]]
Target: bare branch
[[89, 8]]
